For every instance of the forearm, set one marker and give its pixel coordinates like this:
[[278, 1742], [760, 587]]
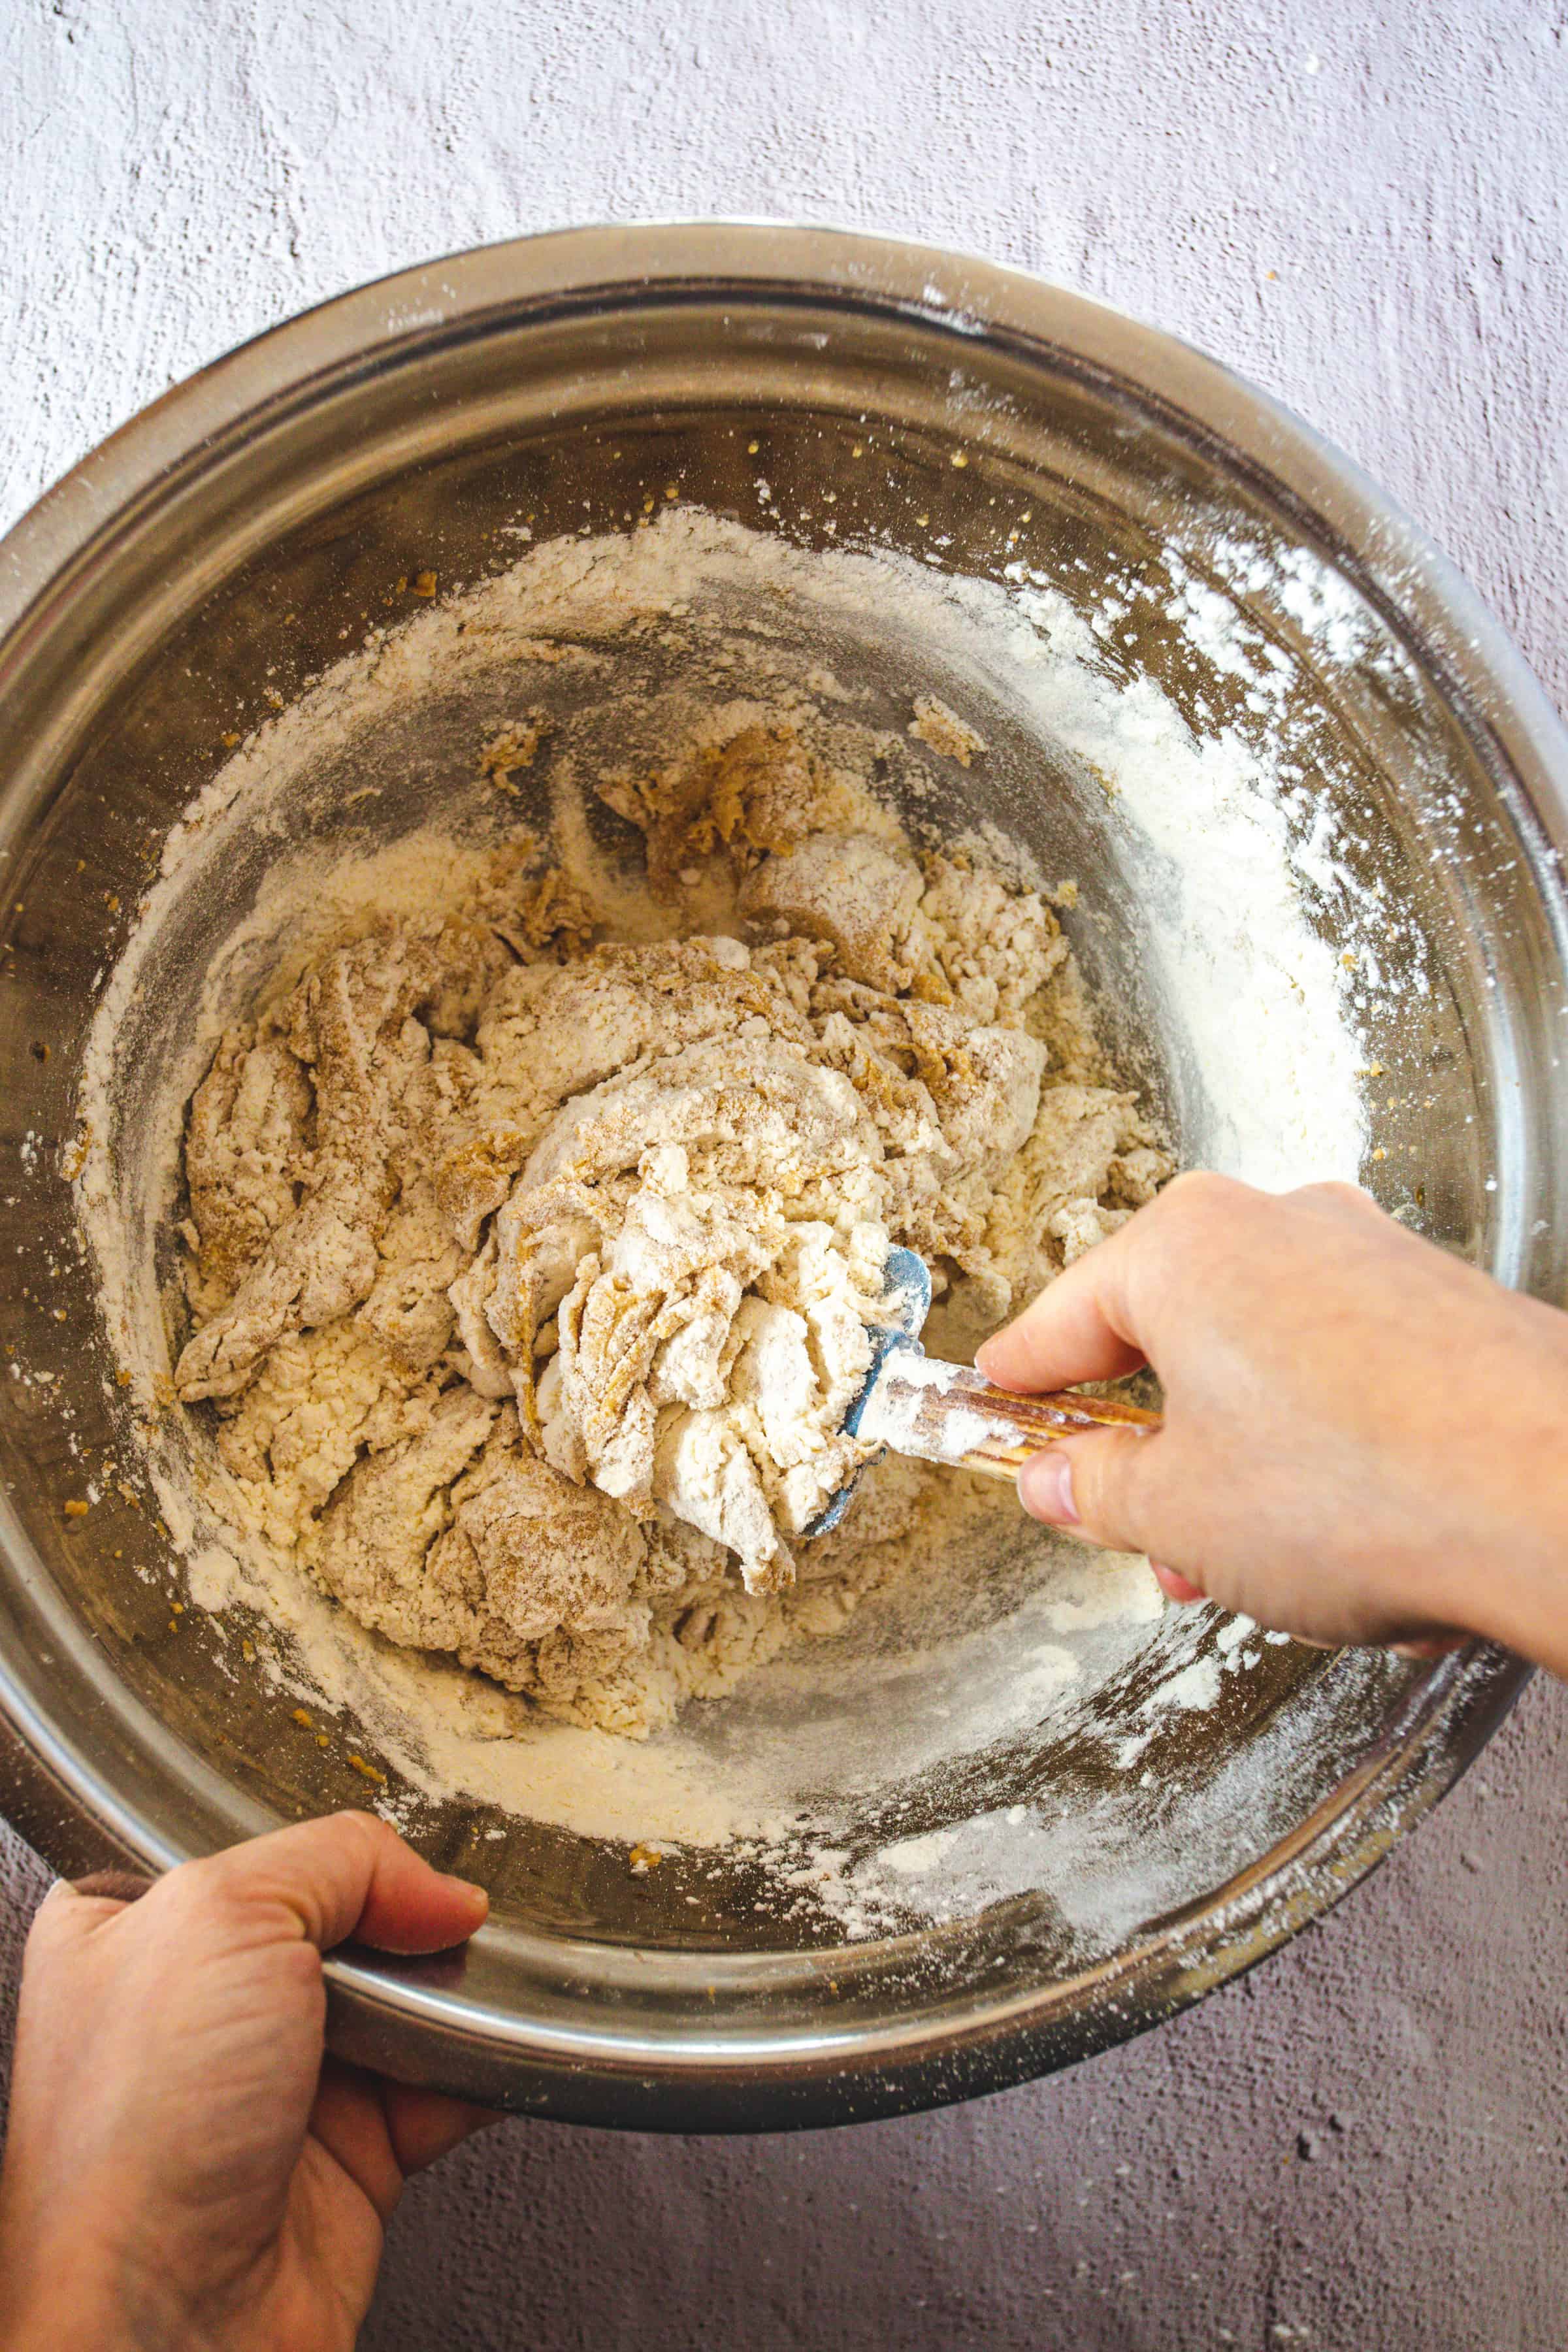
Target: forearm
[[44, 2327], [85, 2267], [1506, 1471], [78, 2289], [1520, 1596], [49, 2304]]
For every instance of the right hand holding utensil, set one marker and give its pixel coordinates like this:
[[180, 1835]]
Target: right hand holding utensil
[[1364, 1439]]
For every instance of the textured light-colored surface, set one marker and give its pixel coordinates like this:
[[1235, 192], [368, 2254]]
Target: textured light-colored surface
[[1363, 207]]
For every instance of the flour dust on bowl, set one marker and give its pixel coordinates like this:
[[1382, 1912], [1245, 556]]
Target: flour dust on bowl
[[326, 631]]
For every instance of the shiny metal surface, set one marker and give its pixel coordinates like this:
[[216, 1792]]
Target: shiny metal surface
[[218, 550]]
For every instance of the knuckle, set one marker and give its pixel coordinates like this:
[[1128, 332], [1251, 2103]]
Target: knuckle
[[192, 1907], [1108, 1483], [193, 1891], [112, 1885], [299, 1966], [1199, 1193], [368, 1830], [1193, 1225], [1333, 1192], [352, 1821], [53, 1926]]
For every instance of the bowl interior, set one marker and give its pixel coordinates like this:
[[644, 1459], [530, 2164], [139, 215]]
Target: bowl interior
[[262, 557]]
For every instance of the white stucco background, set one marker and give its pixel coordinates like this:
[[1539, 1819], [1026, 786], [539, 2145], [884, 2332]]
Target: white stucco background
[[1362, 205]]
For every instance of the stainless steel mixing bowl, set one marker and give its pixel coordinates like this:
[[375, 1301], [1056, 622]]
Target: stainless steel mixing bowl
[[223, 546]]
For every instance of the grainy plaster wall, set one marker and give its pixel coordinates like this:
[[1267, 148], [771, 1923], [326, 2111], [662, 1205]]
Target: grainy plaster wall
[[1363, 2146]]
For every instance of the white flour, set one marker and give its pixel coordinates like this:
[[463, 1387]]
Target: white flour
[[1237, 886]]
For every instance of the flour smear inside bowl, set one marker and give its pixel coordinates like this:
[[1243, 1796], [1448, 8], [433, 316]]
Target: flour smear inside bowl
[[486, 1217]]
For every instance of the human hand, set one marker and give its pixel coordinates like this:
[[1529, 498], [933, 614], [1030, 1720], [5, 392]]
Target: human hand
[[182, 2168], [1364, 1439]]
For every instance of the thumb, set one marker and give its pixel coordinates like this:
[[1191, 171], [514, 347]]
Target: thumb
[[344, 1874], [426, 2124], [1104, 1485]]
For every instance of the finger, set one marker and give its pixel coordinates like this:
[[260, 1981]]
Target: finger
[[1174, 1586], [66, 1916], [348, 1875], [1105, 1486], [380, 2132], [349, 2118], [119, 1886], [1076, 1329], [426, 2124]]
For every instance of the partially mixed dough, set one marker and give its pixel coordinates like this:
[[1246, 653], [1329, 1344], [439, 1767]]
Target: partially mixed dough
[[529, 1269]]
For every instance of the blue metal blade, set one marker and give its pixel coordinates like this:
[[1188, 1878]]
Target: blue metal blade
[[902, 1314]]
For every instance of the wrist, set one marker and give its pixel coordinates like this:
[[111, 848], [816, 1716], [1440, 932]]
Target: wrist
[[69, 2291], [1509, 1585], [1522, 1604], [60, 2315]]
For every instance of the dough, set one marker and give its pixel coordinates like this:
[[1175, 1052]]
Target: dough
[[529, 1270]]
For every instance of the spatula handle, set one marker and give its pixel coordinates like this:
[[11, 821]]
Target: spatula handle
[[946, 1413]]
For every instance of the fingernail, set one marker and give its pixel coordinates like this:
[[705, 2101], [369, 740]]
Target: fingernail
[[1045, 1488], [982, 1358], [478, 1899]]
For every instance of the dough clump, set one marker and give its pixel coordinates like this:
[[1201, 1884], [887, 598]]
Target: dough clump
[[529, 1269]]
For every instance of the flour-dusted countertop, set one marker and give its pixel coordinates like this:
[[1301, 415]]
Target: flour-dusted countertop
[[1363, 207]]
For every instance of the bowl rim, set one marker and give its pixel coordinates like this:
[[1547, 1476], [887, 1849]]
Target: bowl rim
[[416, 2025]]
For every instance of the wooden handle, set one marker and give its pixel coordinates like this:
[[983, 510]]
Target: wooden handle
[[947, 1412]]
